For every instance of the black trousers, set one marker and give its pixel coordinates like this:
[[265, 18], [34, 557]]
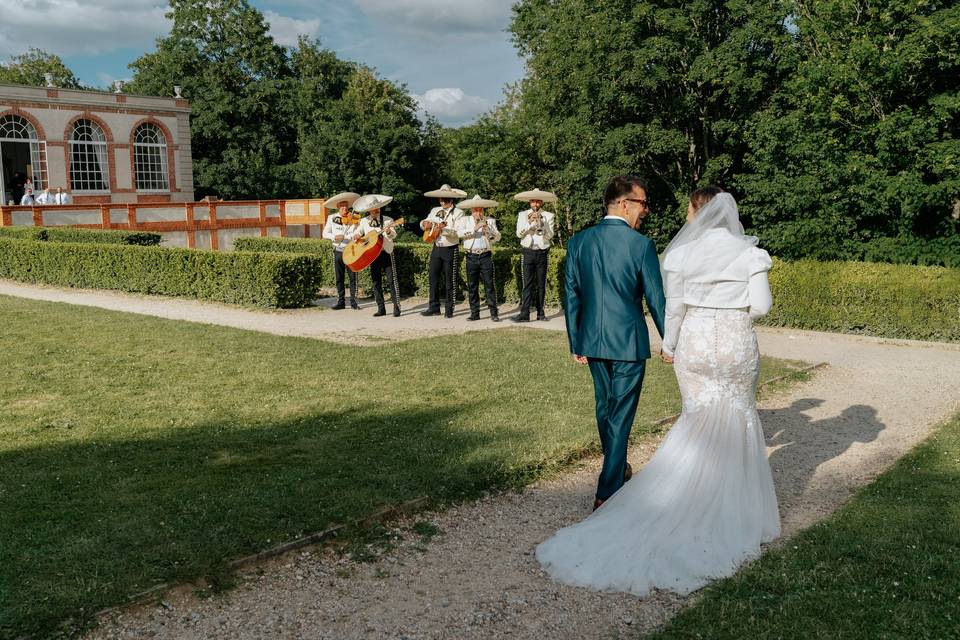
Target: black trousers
[[385, 264], [443, 264], [340, 269], [480, 267], [534, 269]]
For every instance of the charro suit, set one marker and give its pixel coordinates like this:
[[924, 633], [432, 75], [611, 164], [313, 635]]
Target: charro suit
[[610, 270]]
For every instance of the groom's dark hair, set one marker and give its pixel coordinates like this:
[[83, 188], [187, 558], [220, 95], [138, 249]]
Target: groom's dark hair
[[620, 186]]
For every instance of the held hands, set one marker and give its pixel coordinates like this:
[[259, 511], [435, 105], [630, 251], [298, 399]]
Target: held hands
[[665, 358]]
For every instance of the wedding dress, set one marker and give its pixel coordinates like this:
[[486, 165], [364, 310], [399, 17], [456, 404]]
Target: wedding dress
[[705, 502]]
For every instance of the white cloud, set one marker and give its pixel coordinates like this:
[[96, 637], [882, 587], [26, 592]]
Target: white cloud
[[451, 105], [465, 17], [285, 30], [68, 27]]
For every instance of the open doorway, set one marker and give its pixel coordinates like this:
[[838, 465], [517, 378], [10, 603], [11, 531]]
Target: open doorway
[[15, 168]]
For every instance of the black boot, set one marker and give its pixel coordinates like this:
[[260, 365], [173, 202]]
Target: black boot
[[339, 305], [380, 312]]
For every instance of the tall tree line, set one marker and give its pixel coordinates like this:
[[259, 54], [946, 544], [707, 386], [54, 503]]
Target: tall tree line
[[834, 122]]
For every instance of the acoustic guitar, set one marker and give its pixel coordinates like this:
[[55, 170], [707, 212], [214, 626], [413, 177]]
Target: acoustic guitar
[[358, 254]]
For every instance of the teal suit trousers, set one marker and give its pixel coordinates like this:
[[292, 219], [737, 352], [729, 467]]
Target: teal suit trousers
[[616, 388]]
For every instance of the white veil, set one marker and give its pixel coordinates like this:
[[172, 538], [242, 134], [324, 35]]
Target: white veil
[[710, 243]]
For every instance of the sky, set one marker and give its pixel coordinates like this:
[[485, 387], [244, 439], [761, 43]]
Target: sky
[[454, 56]]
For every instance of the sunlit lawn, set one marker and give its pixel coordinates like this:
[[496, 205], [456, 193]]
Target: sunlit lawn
[[135, 450]]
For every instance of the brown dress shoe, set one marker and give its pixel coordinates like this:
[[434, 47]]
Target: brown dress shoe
[[627, 473]]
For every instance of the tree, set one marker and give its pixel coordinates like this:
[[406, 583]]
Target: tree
[[495, 157], [862, 141], [368, 140], [234, 74], [30, 68], [664, 89]]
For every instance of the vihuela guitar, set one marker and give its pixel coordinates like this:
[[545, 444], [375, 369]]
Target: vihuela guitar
[[358, 254]]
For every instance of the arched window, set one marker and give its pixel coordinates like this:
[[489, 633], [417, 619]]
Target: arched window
[[19, 130], [150, 158], [89, 169]]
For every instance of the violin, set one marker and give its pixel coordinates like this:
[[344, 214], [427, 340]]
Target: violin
[[351, 218]]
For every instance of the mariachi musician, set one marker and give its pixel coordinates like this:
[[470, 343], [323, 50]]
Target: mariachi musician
[[340, 229], [441, 229], [479, 233], [535, 230], [384, 263]]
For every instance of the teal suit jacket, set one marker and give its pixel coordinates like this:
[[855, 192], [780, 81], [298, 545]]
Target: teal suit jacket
[[610, 270]]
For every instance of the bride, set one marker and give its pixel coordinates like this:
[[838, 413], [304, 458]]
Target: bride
[[705, 502]]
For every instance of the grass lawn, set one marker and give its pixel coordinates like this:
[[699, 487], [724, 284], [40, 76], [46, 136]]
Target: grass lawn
[[135, 450], [887, 565]]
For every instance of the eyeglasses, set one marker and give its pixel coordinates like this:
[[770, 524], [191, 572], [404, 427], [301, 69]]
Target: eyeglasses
[[640, 201]]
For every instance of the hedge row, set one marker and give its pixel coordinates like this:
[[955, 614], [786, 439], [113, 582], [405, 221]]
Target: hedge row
[[74, 234], [885, 300], [235, 277], [412, 266], [892, 301]]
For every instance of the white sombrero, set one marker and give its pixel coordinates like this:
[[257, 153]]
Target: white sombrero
[[349, 196], [536, 194], [370, 202], [477, 202], [446, 191]]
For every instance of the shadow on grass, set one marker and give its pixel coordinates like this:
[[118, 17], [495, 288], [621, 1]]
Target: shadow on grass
[[120, 515]]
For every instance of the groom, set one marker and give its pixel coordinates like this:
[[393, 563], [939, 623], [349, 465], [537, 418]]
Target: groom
[[610, 269]]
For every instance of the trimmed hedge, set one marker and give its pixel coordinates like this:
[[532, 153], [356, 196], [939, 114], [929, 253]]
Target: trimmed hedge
[[412, 262], [885, 300], [890, 301], [235, 277], [75, 234]]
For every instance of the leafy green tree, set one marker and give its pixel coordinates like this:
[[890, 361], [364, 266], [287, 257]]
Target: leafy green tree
[[234, 74], [496, 157], [29, 68], [862, 141], [663, 89], [369, 140]]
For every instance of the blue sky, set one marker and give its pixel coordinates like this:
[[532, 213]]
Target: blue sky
[[454, 55]]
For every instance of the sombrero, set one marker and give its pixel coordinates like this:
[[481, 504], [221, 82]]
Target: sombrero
[[477, 202], [349, 196], [446, 191], [536, 194], [370, 202]]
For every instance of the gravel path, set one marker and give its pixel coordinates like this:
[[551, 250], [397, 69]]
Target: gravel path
[[477, 578]]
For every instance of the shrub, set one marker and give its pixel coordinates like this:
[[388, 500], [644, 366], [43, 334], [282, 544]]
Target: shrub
[[235, 277], [412, 266], [76, 234], [890, 301]]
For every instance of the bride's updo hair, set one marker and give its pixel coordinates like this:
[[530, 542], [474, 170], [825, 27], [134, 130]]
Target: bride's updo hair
[[703, 195]]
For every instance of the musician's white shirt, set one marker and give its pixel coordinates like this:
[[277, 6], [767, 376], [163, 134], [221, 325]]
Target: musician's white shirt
[[368, 224], [477, 240], [335, 227], [534, 236], [449, 236]]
